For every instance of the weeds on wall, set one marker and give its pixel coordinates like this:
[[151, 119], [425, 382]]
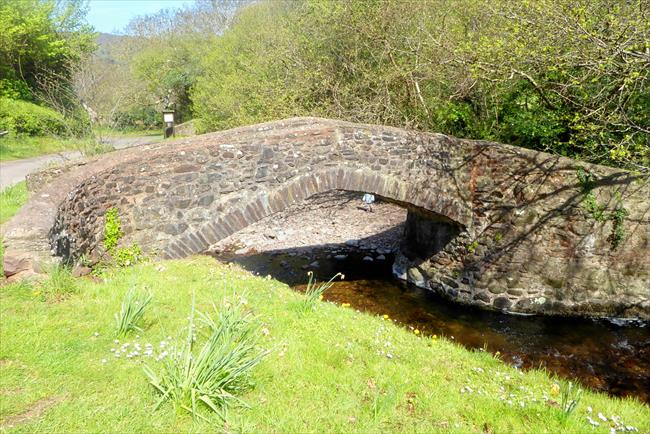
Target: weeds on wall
[[122, 256], [597, 210]]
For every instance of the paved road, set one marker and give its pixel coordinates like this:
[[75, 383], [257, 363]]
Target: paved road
[[12, 172]]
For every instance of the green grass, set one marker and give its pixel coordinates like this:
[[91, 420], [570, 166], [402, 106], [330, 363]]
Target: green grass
[[11, 199], [152, 132], [327, 371], [133, 307], [19, 147]]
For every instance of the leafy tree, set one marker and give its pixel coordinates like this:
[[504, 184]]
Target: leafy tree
[[40, 40], [564, 76]]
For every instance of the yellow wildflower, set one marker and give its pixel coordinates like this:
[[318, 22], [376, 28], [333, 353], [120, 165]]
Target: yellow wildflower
[[345, 304], [434, 337], [555, 389], [416, 331], [386, 317]]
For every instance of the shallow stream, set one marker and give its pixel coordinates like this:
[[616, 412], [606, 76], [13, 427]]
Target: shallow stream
[[603, 355]]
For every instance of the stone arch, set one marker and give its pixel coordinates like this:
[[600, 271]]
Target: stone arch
[[265, 203]]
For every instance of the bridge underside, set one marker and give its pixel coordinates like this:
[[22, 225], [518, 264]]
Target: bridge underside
[[489, 224]]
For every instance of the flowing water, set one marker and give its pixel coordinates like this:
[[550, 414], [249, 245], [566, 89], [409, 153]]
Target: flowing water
[[603, 355]]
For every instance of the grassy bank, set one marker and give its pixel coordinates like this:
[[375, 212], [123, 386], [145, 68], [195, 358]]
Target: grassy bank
[[331, 369], [16, 148], [11, 199], [19, 147]]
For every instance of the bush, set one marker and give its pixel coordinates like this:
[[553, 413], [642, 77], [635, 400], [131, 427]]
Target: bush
[[22, 117], [14, 89], [137, 118]]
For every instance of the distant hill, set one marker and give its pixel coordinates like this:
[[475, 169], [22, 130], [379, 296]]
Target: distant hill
[[104, 42], [104, 39]]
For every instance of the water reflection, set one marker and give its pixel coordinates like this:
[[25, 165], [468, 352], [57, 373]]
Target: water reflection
[[601, 355]]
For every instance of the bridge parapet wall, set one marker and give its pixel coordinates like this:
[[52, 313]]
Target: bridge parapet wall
[[526, 242]]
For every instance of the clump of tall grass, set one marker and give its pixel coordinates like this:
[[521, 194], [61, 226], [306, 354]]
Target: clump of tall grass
[[60, 283], [213, 373], [569, 399], [132, 311], [314, 291]]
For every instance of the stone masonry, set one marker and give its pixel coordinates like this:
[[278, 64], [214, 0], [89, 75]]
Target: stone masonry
[[489, 224]]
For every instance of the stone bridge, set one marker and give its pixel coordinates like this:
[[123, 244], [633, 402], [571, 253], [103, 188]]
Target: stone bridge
[[488, 224]]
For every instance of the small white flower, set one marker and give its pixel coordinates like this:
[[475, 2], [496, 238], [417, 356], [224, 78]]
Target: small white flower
[[602, 417], [589, 409], [116, 342], [592, 422], [104, 361], [96, 334]]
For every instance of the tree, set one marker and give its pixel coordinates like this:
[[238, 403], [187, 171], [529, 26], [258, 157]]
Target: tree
[[39, 42]]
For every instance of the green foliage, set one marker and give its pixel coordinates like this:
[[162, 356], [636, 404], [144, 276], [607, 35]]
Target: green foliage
[[618, 229], [212, 376], [471, 248], [314, 292], [112, 229], [590, 202], [586, 179], [121, 256], [14, 89], [22, 117], [595, 209], [326, 369], [570, 396], [41, 40], [11, 199], [140, 117], [59, 284], [564, 77], [126, 256], [132, 311]]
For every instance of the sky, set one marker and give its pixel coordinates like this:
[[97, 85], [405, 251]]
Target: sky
[[111, 16]]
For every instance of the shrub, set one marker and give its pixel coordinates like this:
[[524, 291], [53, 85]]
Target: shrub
[[212, 376], [133, 306], [22, 117], [125, 256]]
